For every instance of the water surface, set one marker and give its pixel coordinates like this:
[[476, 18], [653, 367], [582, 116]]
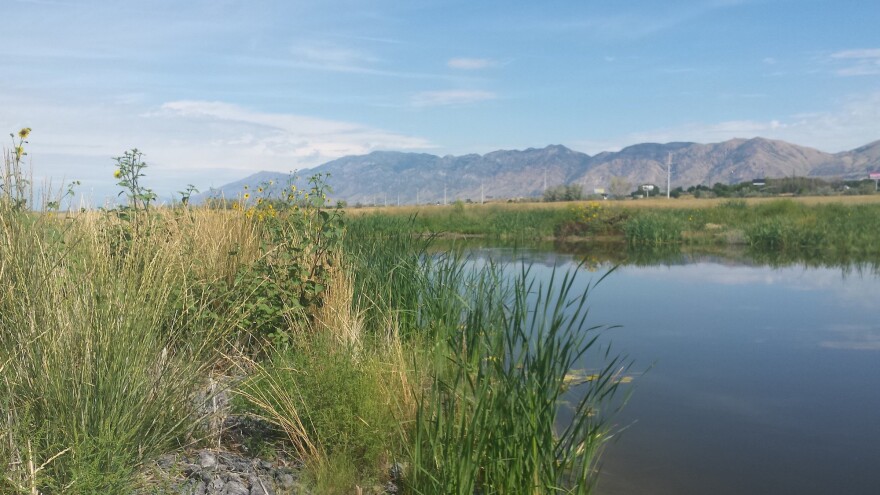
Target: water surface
[[762, 380]]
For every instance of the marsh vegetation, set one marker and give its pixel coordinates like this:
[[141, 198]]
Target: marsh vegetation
[[368, 357]]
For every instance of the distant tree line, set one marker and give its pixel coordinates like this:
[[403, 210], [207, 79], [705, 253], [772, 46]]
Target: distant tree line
[[569, 192], [806, 186]]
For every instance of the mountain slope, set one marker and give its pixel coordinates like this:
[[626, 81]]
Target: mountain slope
[[391, 176]]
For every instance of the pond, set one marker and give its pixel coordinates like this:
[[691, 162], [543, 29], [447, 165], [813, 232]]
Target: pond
[[749, 378]]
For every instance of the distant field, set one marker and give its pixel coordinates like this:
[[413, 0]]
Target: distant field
[[654, 203]]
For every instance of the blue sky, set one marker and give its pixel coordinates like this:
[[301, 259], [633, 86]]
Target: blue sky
[[213, 90]]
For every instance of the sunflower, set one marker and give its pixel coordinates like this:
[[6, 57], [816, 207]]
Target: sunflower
[[117, 174], [23, 133]]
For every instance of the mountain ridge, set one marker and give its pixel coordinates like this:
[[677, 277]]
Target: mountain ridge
[[405, 177]]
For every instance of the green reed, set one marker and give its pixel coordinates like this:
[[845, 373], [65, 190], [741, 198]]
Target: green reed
[[489, 422]]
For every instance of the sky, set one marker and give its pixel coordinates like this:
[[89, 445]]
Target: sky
[[214, 90]]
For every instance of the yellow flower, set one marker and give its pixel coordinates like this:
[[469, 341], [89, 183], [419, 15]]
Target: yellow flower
[[245, 188], [117, 174], [247, 195], [23, 133], [259, 189], [293, 188], [260, 201], [19, 151]]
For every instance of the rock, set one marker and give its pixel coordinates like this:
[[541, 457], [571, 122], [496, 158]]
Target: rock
[[235, 488], [207, 460], [200, 489], [216, 485], [260, 487], [191, 470], [286, 480]]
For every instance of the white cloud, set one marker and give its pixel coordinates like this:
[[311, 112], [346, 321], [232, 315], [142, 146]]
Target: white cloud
[[451, 97], [200, 142], [860, 62], [852, 124], [288, 138], [871, 53], [470, 63]]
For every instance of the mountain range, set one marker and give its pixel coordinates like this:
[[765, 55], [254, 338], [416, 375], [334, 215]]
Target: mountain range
[[393, 177]]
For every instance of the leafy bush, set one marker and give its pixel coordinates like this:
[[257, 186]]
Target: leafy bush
[[593, 218], [565, 192], [299, 240]]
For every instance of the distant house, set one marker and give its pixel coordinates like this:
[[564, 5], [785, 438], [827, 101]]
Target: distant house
[[759, 182]]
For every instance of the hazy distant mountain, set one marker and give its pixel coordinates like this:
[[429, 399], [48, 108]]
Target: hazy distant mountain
[[391, 176]]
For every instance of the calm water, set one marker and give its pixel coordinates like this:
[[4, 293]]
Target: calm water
[[762, 380]]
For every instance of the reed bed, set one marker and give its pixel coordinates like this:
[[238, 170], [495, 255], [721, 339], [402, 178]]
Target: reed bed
[[836, 226]]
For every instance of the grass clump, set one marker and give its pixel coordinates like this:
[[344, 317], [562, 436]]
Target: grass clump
[[331, 402], [488, 424], [100, 365], [653, 229]]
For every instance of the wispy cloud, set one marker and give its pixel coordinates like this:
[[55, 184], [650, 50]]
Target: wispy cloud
[[332, 55], [185, 141], [271, 136], [860, 62], [470, 63], [451, 97], [635, 26]]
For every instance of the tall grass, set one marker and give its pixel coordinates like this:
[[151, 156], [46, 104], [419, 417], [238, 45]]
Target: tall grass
[[101, 364], [653, 229], [497, 221], [489, 422]]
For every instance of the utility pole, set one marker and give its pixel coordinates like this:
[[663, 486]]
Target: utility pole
[[482, 197], [417, 196], [444, 194], [386, 200], [668, 173], [398, 199]]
